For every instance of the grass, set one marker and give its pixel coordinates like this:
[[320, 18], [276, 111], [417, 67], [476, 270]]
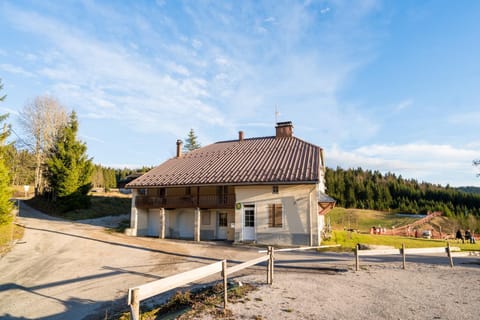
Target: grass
[[363, 220], [348, 240], [8, 233], [101, 205]]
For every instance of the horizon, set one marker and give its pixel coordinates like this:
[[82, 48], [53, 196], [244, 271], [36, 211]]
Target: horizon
[[384, 86]]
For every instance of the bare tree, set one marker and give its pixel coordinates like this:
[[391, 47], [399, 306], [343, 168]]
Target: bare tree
[[41, 120]]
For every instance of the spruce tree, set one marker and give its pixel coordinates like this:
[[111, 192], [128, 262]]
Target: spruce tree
[[191, 143], [70, 169]]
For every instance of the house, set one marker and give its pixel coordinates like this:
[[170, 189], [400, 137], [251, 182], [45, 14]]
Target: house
[[267, 190]]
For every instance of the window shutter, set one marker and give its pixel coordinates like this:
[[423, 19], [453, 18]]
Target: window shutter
[[278, 215], [271, 213]]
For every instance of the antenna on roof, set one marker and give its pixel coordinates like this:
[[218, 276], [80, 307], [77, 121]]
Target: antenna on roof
[[276, 115]]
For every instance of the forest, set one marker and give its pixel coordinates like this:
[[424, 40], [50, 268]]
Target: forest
[[366, 189]]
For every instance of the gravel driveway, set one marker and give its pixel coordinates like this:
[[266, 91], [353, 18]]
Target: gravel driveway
[[70, 270], [67, 270]]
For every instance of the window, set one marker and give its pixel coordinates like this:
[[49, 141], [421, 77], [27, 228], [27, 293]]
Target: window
[[222, 219], [249, 215], [162, 192], [275, 189], [275, 217]]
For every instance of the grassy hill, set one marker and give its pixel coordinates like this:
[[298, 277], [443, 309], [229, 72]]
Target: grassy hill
[[361, 221]]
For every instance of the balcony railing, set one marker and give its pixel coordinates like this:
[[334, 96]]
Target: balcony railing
[[226, 201]]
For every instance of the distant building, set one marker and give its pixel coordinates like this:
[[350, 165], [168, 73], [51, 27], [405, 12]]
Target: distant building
[[268, 190]]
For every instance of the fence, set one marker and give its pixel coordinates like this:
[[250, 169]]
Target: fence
[[137, 294], [403, 251]]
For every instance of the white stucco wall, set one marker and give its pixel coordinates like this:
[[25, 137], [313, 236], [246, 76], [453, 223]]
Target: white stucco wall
[[299, 213]]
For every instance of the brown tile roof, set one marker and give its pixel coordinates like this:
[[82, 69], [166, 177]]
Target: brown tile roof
[[251, 161]]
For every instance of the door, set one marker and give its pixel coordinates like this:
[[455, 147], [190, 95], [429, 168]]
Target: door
[[249, 222], [222, 225], [185, 223], [153, 223]]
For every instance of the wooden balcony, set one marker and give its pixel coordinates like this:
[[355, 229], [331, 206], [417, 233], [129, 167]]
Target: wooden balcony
[[203, 201]]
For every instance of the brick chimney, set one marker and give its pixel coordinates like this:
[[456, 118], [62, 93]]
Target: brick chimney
[[284, 129], [240, 135], [179, 148]]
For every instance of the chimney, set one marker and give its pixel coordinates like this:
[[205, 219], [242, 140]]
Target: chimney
[[284, 129], [240, 135], [179, 148]]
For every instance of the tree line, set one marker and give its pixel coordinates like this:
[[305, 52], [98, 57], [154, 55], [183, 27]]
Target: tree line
[[366, 189], [48, 155]]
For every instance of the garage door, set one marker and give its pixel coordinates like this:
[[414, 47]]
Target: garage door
[[153, 222], [185, 223]]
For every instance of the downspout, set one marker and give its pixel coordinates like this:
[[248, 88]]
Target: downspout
[[310, 218]]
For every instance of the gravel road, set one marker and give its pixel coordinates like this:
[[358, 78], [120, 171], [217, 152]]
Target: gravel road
[[67, 270]]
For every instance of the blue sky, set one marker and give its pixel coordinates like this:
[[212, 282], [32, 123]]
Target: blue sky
[[384, 85]]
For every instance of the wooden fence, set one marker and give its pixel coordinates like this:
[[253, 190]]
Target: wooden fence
[[403, 251], [148, 290]]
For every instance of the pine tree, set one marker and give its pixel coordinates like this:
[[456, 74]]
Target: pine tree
[[191, 142], [5, 189], [69, 168]]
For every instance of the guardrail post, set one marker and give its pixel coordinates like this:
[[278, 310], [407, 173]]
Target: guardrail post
[[270, 265], [449, 254], [403, 254], [135, 304], [357, 259], [225, 285]]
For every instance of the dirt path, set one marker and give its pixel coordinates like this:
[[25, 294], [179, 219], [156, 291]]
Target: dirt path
[[66, 270]]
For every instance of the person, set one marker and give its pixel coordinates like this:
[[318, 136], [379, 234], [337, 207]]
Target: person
[[468, 235], [472, 238], [459, 235]]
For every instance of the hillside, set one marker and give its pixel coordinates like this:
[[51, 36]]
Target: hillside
[[469, 189], [363, 220], [365, 189]]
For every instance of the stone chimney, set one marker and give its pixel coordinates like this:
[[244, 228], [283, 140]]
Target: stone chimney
[[284, 129], [240, 135], [179, 148]]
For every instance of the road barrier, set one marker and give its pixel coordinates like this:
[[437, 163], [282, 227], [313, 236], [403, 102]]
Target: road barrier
[[148, 290], [403, 251]]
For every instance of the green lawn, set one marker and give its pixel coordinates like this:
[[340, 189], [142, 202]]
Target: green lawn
[[101, 206], [348, 241]]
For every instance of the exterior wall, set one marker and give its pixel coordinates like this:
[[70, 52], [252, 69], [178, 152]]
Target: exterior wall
[[299, 215], [208, 224]]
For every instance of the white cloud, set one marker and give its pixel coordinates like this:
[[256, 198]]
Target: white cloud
[[15, 70], [325, 10], [403, 105], [468, 118], [442, 164]]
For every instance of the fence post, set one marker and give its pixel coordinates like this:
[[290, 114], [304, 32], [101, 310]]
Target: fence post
[[357, 259], [135, 304], [225, 285], [449, 254], [272, 264], [403, 253]]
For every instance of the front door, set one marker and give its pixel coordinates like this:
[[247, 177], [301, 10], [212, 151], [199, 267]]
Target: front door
[[249, 222], [222, 225]]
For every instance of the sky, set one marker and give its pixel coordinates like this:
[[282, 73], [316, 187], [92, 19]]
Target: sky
[[392, 86]]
